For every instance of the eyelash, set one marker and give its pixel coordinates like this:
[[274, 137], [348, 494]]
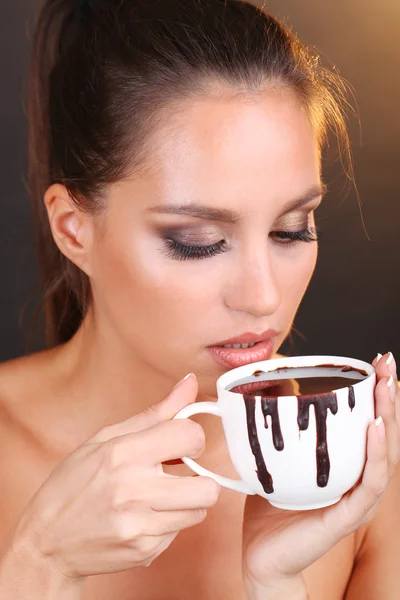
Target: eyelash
[[178, 251]]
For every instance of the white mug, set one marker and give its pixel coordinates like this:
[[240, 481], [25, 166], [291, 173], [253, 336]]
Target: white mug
[[297, 476]]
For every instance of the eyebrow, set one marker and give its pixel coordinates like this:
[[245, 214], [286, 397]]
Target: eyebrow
[[229, 216]]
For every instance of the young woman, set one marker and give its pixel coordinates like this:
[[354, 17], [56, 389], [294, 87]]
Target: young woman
[[177, 147]]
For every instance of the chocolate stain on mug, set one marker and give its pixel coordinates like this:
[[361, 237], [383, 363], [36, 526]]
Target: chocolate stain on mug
[[321, 405], [323, 402], [352, 398], [269, 407], [263, 475]]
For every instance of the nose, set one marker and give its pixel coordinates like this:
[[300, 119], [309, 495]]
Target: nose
[[254, 287]]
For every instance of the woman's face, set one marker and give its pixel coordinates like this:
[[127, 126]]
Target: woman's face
[[197, 251]]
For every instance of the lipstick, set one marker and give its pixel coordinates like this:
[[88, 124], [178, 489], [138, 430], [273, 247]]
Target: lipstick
[[231, 353]]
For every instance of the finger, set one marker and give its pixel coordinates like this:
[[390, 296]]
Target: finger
[[185, 493], [353, 509], [171, 439], [182, 395], [392, 367], [152, 546], [174, 521], [386, 367], [397, 409], [160, 523], [376, 359], [165, 441], [385, 407], [397, 405]]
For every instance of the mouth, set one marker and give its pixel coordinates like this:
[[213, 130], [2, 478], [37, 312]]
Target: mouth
[[244, 349]]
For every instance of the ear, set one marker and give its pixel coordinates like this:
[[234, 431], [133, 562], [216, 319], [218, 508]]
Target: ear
[[72, 228]]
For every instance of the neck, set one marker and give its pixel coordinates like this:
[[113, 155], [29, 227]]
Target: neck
[[105, 382]]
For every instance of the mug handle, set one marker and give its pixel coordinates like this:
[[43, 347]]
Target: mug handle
[[212, 408]]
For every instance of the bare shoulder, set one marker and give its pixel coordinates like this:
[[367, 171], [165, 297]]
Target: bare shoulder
[[24, 450], [27, 415], [20, 380], [386, 522], [13, 377], [377, 573], [22, 384], [384, 529], [15, 443]]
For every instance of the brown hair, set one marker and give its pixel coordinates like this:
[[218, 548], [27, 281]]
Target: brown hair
[[101, 74]]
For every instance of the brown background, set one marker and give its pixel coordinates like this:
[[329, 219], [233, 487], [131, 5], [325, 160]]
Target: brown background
[[352, 306]]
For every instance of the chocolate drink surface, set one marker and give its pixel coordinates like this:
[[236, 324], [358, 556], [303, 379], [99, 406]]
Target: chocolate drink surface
[[298, 381], [313, 387]]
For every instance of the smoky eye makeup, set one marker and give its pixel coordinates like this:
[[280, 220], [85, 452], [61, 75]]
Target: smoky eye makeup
[[192, 243], [193, 236], [294, 221], [186, 242], [295, 227]]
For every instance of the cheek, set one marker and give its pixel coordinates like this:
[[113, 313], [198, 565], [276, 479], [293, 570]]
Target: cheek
[[141, 288], [295, 273]]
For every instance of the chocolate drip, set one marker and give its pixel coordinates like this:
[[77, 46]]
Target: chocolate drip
[[347, 369], [269, 391], [258, 373], [321, 406], [270, 407], [263, 475], [352, 398]]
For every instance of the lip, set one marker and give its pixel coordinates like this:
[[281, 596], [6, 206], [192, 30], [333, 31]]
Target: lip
[[237, 357], [247, 338]]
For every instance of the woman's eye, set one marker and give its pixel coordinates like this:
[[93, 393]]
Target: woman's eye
[[287, 238], [178, 251]]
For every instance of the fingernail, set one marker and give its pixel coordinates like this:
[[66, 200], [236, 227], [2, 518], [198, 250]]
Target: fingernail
[[389, 358], [184, 379], [378, 357], [392, 391], [391, 363], [380, 426]]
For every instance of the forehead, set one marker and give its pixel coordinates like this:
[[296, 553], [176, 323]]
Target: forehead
[[256, 148]]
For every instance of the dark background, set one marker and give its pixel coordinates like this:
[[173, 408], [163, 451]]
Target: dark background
[[352, 305]]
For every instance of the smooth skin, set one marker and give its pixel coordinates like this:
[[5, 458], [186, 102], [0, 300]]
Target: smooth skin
[[81, 425]]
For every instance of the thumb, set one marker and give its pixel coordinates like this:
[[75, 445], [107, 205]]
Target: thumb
[[183, 394]]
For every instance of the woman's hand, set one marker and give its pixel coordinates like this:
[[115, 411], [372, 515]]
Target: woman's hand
[[278, 545], [109, 506]]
